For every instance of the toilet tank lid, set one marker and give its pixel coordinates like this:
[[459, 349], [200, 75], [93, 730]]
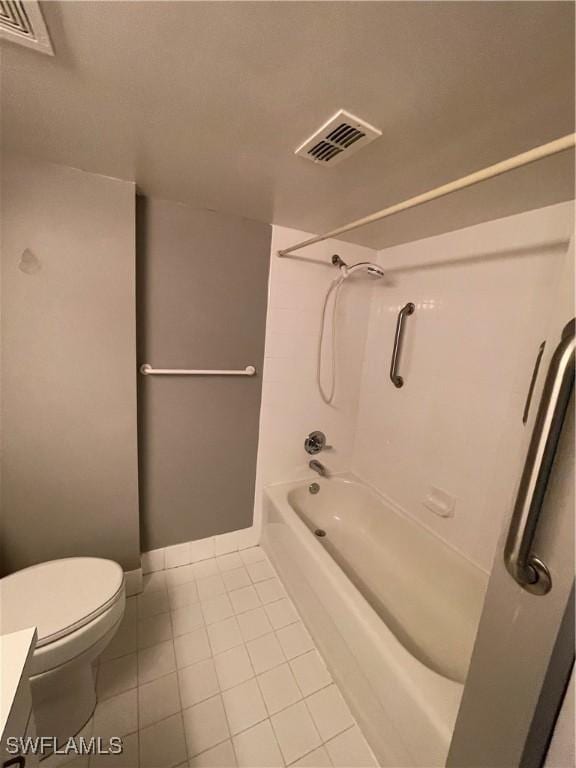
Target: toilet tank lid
[[59, 596]]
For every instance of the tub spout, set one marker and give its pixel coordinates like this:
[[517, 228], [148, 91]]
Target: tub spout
[[318, 467]]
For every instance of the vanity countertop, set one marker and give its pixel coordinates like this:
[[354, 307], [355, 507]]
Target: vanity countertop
[[16, 649]]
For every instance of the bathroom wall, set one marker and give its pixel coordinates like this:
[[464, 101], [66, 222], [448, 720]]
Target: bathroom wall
[[69, 461], [291, 405], [202, 292], [483, 296]]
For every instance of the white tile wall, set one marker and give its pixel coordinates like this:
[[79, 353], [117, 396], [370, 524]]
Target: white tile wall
[[291, 405], [483, 296], [219, 691]]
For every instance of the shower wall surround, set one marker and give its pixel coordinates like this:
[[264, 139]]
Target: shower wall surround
[[291, 404], [202, 291], [483, 297], [69, 447]]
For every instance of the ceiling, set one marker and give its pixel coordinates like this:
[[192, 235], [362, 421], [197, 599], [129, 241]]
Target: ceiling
[[205, 102]]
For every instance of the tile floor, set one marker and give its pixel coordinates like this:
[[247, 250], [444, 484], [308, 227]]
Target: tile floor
[[213, 667]]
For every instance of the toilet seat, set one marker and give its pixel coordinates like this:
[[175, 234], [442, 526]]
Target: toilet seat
[[59, 597]]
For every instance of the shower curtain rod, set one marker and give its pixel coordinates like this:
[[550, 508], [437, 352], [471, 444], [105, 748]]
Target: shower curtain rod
[[537, 153]]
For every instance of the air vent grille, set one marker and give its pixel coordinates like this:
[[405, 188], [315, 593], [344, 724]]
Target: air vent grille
[[324, 151], [21, 22], [13, 16], [337, 139], [345, 135]]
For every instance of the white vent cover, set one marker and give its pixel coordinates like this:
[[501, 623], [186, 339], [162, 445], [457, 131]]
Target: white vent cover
[[21, 22], [339, 138]]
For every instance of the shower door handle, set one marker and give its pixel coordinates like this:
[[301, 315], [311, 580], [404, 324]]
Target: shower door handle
[[395, 378], [523, 565]]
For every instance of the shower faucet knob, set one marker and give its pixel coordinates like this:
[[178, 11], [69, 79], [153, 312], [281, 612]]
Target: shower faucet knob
[[315, 442]]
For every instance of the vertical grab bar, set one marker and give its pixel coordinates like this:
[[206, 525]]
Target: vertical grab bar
[[395, 378], [533, 382], [522, 564]]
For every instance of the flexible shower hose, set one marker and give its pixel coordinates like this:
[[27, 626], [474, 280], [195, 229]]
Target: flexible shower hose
[[328, 395]]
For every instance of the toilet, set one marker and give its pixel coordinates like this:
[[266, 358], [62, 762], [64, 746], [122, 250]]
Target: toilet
[[76, 605]]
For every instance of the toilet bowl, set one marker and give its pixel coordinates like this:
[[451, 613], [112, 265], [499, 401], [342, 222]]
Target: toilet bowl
[[76, 605]]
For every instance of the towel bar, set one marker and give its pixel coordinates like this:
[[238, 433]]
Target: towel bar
[[147, 370]]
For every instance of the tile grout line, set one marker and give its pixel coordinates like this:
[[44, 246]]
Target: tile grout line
[[269, 718], [219, 694], [228, 726], [181, 712], [138, 683], [218, 744], [278, 741]]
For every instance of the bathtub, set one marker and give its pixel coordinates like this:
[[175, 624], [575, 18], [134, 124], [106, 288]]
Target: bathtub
[[392, 608]]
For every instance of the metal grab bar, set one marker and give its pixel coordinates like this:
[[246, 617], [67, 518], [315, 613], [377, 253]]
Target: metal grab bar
[[147, 370], [395, 378], [535, 371], [523, 565]]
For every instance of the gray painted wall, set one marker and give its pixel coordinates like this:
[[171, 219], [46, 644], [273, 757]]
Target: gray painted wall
[[203, 282], [69, 434]]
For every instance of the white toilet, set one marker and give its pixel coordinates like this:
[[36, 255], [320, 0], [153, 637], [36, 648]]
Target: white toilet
[[76, 604]]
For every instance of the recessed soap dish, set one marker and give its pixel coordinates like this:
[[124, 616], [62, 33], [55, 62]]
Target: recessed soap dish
[[440, 502]]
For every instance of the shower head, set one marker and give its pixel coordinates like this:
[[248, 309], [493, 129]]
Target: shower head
[[365, 266], [375, 271]]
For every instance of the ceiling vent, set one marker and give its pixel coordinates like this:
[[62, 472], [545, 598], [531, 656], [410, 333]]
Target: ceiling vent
[[339, 138], [21, 22]]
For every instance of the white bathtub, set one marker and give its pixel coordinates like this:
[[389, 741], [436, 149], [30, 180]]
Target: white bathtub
[[392, 608]]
